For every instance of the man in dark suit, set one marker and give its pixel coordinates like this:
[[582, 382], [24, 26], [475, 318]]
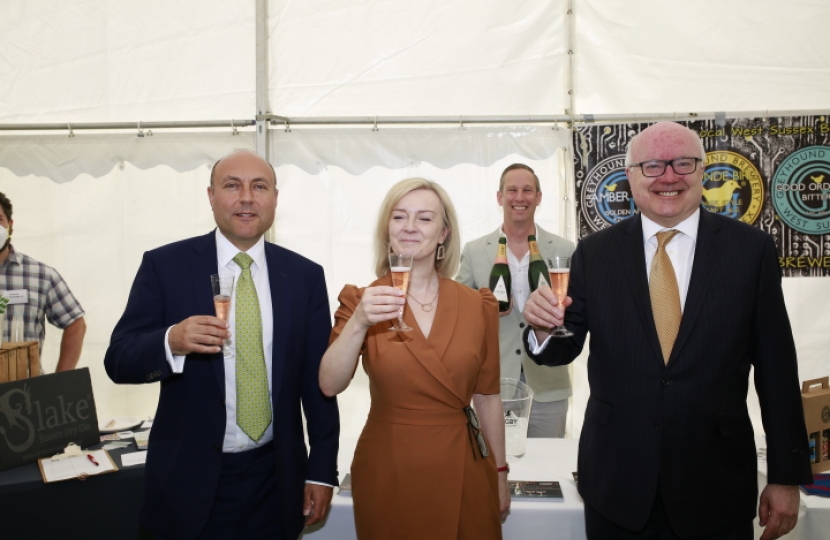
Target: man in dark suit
[[227, 457], [667, 448]]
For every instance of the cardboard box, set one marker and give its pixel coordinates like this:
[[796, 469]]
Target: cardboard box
[[19, 361], [815, 397]]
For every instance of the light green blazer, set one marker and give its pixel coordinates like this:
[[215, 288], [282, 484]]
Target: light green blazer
[[548, 383]]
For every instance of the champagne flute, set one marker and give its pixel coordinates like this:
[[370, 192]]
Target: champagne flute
[[559, 269], [400, 266], [222, 286]]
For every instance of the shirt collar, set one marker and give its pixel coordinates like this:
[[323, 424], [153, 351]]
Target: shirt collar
[[226, 251], [13, 257], [535, 231], [688, 226]]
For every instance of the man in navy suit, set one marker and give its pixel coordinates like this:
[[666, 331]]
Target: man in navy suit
[[205, 476], [667, 448]]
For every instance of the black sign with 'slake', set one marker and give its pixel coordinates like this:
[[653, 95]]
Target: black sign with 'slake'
[[41, 415]]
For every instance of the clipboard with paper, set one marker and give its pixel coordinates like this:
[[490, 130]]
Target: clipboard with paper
[[74, 463]]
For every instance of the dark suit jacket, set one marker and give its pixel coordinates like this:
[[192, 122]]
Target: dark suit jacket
[[185, 450], [684, 425]]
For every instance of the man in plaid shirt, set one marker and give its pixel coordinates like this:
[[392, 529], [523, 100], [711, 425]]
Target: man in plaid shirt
[[37, 292]]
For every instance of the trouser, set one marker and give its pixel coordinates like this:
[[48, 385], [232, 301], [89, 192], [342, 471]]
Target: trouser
[[246, 503], [548, 419], [657, 527]]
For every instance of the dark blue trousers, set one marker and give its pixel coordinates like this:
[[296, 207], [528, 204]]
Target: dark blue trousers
[[246, 504]]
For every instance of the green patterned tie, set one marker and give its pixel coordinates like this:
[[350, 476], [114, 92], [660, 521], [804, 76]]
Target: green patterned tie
[[253, 410]]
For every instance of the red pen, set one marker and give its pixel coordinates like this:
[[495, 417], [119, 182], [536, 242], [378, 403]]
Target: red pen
[[92, 459]]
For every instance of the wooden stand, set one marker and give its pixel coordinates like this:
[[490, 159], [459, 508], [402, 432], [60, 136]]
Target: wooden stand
[[19, 361]]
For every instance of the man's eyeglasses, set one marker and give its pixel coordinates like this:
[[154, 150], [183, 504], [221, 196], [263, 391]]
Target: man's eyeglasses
[[656, 167], [474, 429]]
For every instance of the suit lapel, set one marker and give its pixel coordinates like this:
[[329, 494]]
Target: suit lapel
[[490, 248], [703, 266], [281, 306], [633, 256], [545, 242], [202, 267]]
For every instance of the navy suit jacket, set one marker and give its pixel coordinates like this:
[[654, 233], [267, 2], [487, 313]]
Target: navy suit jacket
[[684, 425], [185, 450]]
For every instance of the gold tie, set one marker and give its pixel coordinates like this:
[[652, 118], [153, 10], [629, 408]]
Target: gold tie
[[665, 296]]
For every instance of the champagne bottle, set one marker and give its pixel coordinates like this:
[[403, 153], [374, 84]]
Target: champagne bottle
[[537, 270], [500, 282]]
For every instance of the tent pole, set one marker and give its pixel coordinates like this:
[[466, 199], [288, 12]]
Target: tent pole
[[567, 218], [263, 107], [281, 121], [570, 24]]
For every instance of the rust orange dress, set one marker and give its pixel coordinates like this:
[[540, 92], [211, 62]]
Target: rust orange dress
[[415, 474]]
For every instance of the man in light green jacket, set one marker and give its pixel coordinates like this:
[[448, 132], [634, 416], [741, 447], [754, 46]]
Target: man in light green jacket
[[519, 194]]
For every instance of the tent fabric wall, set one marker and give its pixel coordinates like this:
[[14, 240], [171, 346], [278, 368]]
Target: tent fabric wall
[[61, 158], [102, 61], [94, 61], [90, 205], [396, 57], [663, 56]]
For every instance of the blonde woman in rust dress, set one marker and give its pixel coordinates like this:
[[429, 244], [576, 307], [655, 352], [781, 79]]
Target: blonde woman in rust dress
[[422, 468]]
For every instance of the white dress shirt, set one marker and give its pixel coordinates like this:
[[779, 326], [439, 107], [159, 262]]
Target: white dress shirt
[[681, 252], [235, 439], [681, 249]]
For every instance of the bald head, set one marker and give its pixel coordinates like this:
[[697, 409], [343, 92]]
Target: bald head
[[253, 155], [662, 133], [670, 197]]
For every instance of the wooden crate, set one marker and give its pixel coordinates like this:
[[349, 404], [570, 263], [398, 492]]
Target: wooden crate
[[19, 361]]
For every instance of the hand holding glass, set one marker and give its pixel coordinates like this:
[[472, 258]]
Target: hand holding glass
[[222, 290], [559, 269], [400, 267]]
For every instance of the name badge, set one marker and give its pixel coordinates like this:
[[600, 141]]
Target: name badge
[[19, 296]]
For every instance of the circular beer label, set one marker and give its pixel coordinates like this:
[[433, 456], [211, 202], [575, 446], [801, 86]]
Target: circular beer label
[[606, 195], [800, 190], [732, 186]]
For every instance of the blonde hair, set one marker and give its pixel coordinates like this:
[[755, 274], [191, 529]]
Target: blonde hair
[[446, 267]]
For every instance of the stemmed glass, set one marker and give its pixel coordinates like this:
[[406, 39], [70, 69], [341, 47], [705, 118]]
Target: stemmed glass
[[222, 286], [400, 265], [559, 269]]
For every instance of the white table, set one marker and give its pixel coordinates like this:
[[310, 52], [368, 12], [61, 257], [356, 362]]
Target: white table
[[813, 514], [545, 459], [555, 459]]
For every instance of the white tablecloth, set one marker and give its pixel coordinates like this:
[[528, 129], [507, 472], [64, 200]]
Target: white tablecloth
[[555, 459], [813, 514], [545, 459]]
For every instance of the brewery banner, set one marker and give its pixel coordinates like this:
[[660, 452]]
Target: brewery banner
[[773, 173]]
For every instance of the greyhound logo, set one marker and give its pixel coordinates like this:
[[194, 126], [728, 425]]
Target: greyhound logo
[[605, 196], [800, 194], [16, 420], [732, 186], [825, 414]]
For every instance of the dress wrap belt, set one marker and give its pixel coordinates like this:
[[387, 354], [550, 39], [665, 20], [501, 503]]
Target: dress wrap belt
[[415, 417]]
